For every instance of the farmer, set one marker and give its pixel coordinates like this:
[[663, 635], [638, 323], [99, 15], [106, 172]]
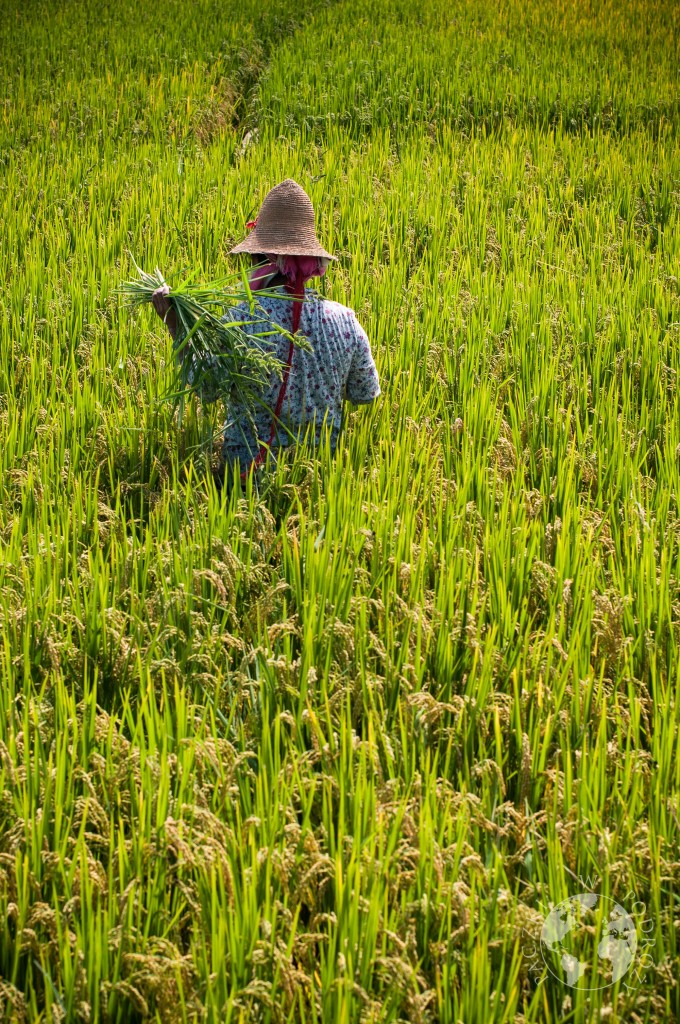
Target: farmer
[[285, 253]]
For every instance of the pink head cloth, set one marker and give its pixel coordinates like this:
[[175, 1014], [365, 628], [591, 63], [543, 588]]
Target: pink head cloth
[[296, 270], [293, 268]]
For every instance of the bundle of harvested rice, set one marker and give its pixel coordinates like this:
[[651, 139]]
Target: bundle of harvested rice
[[215, 355]]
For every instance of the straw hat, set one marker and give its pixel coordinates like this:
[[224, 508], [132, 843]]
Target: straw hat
[[284, 225]]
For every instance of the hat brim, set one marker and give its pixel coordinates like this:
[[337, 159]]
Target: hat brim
[[254, 246]]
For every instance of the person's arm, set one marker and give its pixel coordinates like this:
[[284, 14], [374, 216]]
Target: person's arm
[[166, 311], [362, 385]]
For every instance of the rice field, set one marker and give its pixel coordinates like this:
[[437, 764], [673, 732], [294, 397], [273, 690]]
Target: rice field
[[331, 751]]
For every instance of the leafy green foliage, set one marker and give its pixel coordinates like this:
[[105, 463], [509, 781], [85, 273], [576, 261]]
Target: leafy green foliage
[[330, 751]]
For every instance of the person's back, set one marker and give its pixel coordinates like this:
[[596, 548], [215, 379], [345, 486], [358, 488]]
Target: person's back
[[338, 366]]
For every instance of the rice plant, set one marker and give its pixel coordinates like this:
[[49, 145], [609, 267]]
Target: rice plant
[[334, 750]]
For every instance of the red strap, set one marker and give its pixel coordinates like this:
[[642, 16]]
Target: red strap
[[299, 297], [296, 289]]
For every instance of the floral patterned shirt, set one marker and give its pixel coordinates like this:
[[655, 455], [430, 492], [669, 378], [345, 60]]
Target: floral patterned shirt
[[339, 366]]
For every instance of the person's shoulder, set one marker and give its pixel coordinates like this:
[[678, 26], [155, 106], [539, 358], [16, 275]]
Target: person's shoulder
[[261, 308], [240, 311], [334, 307], [337, 310]]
